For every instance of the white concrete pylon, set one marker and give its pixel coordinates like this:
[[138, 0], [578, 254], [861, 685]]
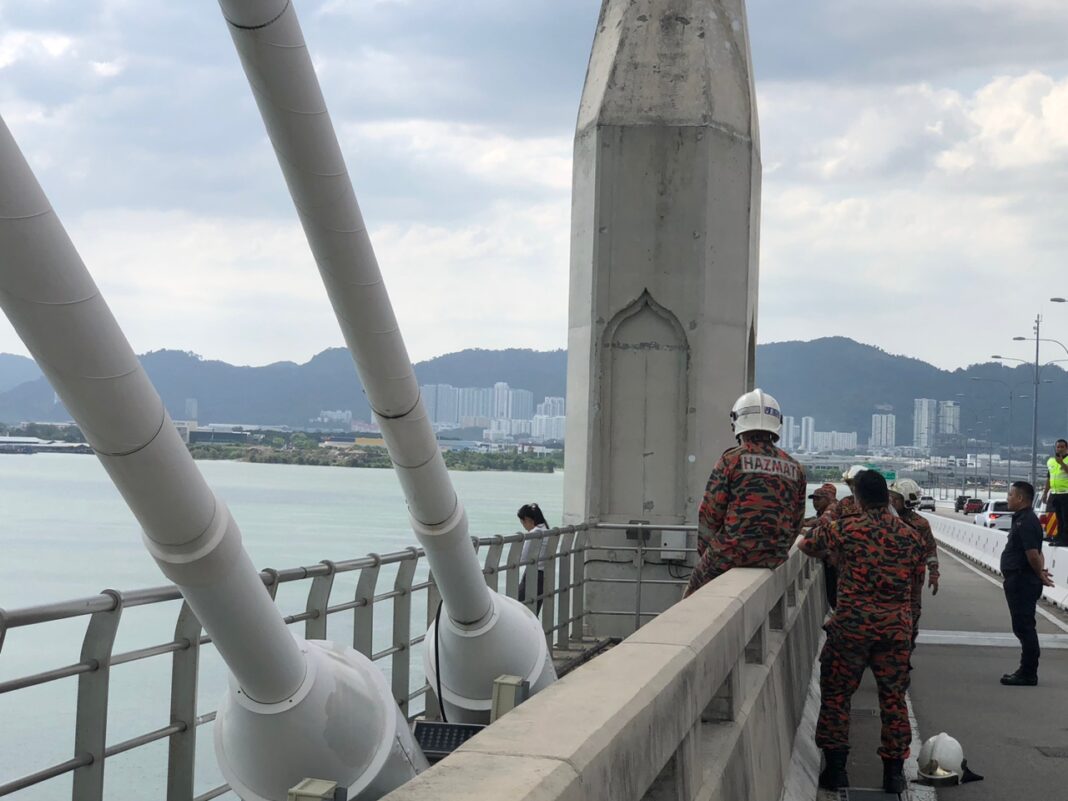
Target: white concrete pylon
[[665, 225], [482, 638]]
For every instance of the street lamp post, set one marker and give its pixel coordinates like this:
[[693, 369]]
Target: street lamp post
[[1034, 404], [1034, 401], [1012, 397]]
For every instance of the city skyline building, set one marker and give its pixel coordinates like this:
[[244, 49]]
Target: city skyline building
[[948, 417], [823, 441], [924, 422], [788, 440], [883, 431], [551, 407], [808, 428]]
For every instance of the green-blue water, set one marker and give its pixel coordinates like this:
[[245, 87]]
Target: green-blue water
[[65, 533]]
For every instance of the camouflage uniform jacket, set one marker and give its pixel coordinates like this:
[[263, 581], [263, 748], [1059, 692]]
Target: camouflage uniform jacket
[[752, 509], [919, 522], [877, 556], [843, 507]]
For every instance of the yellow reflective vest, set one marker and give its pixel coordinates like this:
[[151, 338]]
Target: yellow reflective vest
[[1058, 476]]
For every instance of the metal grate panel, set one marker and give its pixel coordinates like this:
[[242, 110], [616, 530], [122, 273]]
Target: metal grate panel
[[438, 740]]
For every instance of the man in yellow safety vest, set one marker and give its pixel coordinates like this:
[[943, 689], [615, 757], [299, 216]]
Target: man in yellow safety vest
[[1056, 490]]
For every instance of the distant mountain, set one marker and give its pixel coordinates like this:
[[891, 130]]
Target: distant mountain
[[15, 370], [835, 380], [839, 381], [292, 394]]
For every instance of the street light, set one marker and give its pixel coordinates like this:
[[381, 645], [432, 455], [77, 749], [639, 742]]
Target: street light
[[1011, 389]]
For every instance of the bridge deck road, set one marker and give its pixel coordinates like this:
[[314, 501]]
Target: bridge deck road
[[1016, 737]]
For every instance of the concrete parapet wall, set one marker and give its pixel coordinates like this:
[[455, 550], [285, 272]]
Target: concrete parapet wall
[[701, 703], [984, 546]]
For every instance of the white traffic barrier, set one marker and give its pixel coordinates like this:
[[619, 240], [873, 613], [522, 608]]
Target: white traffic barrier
[[984, 546]]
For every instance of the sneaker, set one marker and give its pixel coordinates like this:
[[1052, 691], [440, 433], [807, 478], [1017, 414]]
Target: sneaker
[[1019, 679]]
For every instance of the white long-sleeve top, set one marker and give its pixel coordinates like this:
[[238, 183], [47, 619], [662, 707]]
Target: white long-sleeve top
[[543, 551]]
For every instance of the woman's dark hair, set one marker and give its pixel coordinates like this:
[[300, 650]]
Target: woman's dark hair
[[533, 512], [870, 489]]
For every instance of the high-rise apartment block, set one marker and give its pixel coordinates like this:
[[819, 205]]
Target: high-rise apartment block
[[808, 429], [787, 440], [924, 422], [883, 431], [834, 441], [551, 407], [948, 417]]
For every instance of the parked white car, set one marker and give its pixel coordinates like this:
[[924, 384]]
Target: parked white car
[[995, 514], [927, 502]]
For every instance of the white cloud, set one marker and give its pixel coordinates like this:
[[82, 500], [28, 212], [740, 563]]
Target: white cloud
[[16, 46], [478, 151], [1017, 122], [247, 290], [107, 69]]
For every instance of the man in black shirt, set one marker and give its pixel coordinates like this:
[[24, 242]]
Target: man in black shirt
[[1025, 573]]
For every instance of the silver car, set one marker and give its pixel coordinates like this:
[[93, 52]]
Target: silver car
[[994, 514], [927, 502]]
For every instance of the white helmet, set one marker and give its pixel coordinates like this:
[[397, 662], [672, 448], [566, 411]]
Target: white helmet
[[851, 473], [909, 490], [756, 411], [942, 760]]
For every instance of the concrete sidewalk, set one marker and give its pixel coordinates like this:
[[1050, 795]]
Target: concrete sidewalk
[[1017, 737]]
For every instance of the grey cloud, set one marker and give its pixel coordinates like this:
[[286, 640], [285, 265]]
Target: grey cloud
[[852, 41]]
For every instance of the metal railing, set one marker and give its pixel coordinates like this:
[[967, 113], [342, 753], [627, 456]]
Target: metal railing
[[640, 551], [562, 614]]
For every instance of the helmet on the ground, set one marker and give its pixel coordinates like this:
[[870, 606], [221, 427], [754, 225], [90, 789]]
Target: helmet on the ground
[[909, 490], [942, 760], [851, 473], [756, 411]]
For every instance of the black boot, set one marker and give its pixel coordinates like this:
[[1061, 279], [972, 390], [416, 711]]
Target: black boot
[[834, 773], [894, 776], [1020, 679]]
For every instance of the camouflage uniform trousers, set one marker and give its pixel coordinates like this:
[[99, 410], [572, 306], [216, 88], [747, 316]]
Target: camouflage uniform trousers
[[842, 665], [917, 600], [714, 563]]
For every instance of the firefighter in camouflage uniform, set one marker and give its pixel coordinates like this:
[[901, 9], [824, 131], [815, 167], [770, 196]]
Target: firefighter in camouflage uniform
[[755, 498], [877, 555], [905, 497]]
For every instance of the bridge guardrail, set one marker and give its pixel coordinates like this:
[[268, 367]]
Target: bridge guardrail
[[676, 711], [984, 546], [562, 615]]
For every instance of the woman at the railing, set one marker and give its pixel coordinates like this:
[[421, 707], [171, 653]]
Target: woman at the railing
[[532, 519]]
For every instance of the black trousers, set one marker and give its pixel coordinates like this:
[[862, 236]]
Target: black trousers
[[1058, 502], [523, 588], [1022, 591]]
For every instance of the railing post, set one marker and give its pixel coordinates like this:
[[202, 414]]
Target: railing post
[[90, 733], [363, 617], [638, 586], [493, 562], [563, 564], [182, 748], [578, 557], [431, 706], [318, 601], [548, 604], [511, 576], [272, 585], [402, 630]]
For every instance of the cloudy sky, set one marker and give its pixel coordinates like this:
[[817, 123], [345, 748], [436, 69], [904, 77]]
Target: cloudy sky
[[915, 156]]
